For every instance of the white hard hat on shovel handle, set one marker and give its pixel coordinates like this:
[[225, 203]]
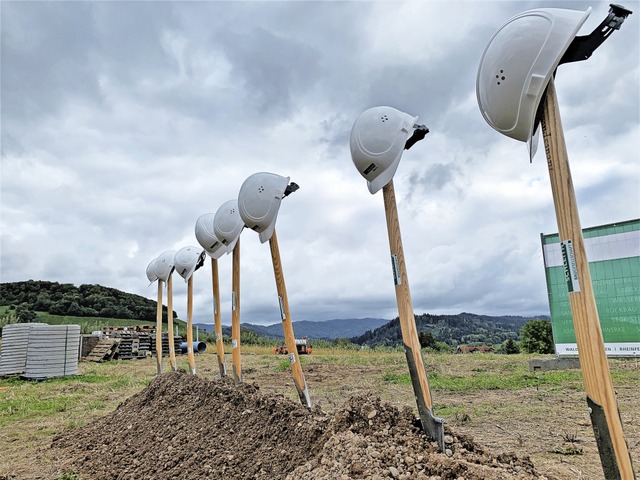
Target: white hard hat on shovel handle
[[516, 92], [379, 136], [164, 265], [206, 236], [164, 269], [188, 260], [259, 201], [205, 233], [523, 55], [151, 271], [227, 224]]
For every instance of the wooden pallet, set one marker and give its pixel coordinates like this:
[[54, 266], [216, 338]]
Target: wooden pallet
[[104, 350], [133, 328]]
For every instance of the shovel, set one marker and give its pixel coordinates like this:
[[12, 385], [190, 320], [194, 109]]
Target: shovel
[[190, 357], [172, 350], [431, 424], [215, 282], [290, 340], [235, 314], [601, 398], [159, 329]]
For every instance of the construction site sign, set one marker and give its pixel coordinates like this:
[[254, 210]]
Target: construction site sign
[[613, 252]]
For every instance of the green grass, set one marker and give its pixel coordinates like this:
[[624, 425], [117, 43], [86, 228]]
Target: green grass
[[81, 394], [509, 379]]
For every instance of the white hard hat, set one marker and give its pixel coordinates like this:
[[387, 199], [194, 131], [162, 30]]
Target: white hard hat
[[259, 201], [378, 138], [517, 65], [188, 260], [151, 271], [164, 265], [227, 224], [207, 238]]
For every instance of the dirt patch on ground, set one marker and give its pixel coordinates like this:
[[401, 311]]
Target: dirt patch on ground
[[183, 426]]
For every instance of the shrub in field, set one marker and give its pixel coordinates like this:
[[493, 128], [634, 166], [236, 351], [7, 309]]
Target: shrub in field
[[509, 347], [537, 337]]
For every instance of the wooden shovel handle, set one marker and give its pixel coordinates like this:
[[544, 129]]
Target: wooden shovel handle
[[172, 349], [159, 329], [433, 426], [190, 356], [217, 322], [287, 326], [593, 360], [235, 314], [403, 295]]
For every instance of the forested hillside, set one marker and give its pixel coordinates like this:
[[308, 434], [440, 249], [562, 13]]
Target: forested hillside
[[83, 301], [463, 328]]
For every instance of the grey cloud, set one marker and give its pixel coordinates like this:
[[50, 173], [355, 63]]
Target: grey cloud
[[275, 69], [145, 115], [48, 47]]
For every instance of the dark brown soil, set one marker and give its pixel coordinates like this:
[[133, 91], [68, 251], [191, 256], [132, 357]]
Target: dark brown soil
[[183, 426]]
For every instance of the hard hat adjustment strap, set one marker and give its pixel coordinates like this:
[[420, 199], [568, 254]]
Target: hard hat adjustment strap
[[582, 47], [418, 134], [292, 187]]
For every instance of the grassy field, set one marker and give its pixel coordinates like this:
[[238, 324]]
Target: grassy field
[[492, 397]]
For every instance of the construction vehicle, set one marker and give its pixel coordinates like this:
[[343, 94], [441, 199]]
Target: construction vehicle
[[302, 345]]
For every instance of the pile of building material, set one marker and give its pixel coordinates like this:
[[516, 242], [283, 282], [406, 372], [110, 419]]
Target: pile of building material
[[39, 351], [103, 350], [13, 356], [126, 343], [52, 351]]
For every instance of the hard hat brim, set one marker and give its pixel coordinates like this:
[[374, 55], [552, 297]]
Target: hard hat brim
[[267, 233], [232, 245], [217, 252], [385, 177]]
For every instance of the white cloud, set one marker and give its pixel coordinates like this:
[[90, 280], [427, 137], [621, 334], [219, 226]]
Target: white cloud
[[123, 123]]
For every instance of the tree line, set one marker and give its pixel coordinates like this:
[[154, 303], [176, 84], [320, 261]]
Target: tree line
[[83, 301], [446, 332]]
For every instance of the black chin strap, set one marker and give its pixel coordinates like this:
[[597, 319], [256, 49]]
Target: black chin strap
[[292, 187], [582, 47], [418, 134]]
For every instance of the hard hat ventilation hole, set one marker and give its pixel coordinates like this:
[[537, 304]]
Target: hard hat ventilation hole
[[233, 210], [225, 242], [214, 245], [255, 227], [260, 189], [183, 271], [500, 77], [384, 118]]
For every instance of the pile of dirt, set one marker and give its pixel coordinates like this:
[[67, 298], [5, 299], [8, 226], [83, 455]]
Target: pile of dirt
[[183, 426]]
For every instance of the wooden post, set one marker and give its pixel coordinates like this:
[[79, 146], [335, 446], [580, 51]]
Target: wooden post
[[601, 398], [190, 357], [235, 314], [290, 340], [432, 425], [217, 322], [159, 329], [172, 349]]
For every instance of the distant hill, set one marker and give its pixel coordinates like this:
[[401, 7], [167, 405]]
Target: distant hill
[[463, 328], [83, 301], [328, 329]]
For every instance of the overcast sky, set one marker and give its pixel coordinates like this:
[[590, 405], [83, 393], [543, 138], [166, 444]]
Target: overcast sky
[[123, 122]]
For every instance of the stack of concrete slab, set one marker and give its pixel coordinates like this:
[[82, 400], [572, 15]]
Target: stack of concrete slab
[[13, 354], [52, 351]]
